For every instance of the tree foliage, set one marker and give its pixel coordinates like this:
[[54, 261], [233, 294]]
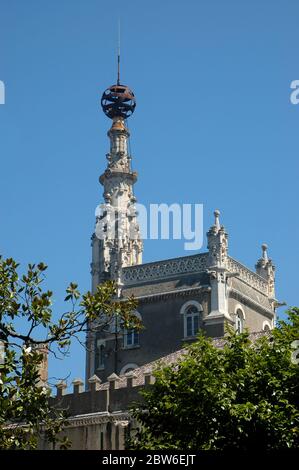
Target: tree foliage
[[242, 396], [26, 326]]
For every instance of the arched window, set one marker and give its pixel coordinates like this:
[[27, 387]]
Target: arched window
[[131, 336], [128, 368], [192, 312], [239, 321], [100, 354], [266, 326]]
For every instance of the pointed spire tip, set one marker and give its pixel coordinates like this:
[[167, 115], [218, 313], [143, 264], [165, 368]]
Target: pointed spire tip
[[216, 215], [265, 252]]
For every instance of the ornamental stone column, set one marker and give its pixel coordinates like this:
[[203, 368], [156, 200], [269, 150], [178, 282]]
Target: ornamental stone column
[[217, 269]]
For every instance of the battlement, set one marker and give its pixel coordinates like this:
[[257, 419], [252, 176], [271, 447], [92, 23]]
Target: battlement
[[119, 392], [103, 412], [116, 394]]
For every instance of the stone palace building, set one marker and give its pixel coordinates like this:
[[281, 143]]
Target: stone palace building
[[176, 298]]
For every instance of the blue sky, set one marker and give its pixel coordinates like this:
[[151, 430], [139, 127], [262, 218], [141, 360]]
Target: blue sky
[[213, 125]]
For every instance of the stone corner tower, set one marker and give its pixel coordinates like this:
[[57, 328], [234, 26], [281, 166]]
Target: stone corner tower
[[116, 242]]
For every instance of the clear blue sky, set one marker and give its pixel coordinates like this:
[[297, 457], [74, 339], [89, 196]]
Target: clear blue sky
[[213, 125]]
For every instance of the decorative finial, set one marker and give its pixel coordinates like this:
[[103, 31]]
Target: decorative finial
[[265, 252], [217, 223], [118, 101]]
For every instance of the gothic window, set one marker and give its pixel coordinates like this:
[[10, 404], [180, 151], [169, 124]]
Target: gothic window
[[239, 321], [266, 326], [131, 335], [192, 312], [100, 354]]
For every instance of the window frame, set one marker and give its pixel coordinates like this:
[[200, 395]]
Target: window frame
[[184, 311], [239, 319], [267, 326], [135, 335], [100, 346]]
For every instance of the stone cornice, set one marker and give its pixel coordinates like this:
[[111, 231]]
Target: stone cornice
[[97, 418], [117, 173], [237, 295], [172, 268]]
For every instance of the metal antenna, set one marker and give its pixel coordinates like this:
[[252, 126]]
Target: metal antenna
[[118, 54]]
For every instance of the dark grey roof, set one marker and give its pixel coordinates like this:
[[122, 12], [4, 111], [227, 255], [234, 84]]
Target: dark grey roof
[[172, 358], [181, 282]]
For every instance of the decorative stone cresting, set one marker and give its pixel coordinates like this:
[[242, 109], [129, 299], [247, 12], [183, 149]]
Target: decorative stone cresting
[[165, 269], [247, 276]]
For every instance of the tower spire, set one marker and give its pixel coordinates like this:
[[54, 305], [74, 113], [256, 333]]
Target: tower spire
[[117, 240], [118, 54]]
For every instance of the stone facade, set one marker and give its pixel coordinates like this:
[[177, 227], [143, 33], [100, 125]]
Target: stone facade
[[223, 290], [176, 298]]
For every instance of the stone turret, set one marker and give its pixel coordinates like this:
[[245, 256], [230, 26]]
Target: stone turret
[[217, 269], [266, 269], [217, 243]]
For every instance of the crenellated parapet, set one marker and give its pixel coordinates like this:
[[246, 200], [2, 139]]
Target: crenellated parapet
[[115, 394]]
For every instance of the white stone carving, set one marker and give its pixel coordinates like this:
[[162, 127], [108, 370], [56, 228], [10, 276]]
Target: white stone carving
[[165, 269], [247, 276], [117, 240]]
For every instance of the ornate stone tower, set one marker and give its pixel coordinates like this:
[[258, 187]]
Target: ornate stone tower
[[116, 242], [219, 277]]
